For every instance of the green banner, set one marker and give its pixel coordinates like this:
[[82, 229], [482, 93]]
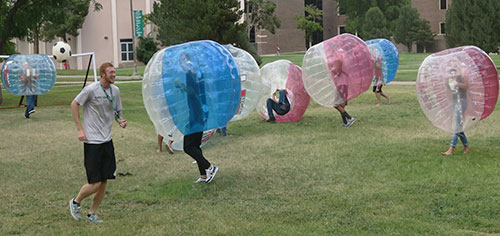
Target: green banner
[[139, 32]]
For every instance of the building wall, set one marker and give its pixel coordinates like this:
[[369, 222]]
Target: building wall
[[430, 10], [330, 19], [288, 37]]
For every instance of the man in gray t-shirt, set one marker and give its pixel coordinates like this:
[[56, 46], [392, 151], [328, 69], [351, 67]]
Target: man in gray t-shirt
[[101, 104]]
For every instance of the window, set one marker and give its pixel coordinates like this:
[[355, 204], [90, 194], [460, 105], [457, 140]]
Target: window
[[252, 35], [441, 28], [341, 29], [442, 4], [127, 49]]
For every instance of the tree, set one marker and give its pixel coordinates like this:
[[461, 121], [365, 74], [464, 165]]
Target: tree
[[178, 22], [26, 18], [310, 22], [411, 29], [260, 15], [356, 10], [146, 48], [59, 19], [408, 19], [474, 23], [375, 25], [421, 34]]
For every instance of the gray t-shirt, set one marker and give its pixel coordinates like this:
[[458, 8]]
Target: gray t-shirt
[[98, 113]]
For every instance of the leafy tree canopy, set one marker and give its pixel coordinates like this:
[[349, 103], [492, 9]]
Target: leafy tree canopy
[[261, 15], [180, 21], [474, 23], [310, 22], [27, 18], [375, 25], [356, 10]]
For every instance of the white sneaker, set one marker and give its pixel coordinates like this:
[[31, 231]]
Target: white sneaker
[[350, 122], [199, 180], [32, 111], [74, 210], [211, 173], [93, 218]]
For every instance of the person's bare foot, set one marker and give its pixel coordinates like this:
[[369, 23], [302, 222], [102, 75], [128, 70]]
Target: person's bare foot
[[389, 100], [158, 150], [170, 149], [449, 152], [378, 104], [466, 150]]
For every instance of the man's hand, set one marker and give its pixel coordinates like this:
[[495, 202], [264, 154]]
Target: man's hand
[[123, 123], [81, 136]]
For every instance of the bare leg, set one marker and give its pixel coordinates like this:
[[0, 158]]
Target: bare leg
[[98, 196], [467, 150], [340, 109], [449, 152], [378, 99], [87, 190], [169, 146], [385, 96], [160, 142]]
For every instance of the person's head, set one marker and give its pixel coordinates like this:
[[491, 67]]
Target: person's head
[[107, 71], [27, 65], [452, 72], [185, 62]]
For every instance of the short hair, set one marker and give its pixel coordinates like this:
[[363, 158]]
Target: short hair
[[103, 67]]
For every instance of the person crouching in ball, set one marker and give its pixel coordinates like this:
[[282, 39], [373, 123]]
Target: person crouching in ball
[[280, 106]]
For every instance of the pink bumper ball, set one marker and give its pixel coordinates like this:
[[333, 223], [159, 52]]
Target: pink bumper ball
[[457, 88], [279, 75], [337, 70]]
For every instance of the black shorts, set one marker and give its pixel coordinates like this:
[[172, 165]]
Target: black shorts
[[379, 90], [99, 162]]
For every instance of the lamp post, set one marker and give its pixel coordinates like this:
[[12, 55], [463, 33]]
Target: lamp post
[[133, 38]]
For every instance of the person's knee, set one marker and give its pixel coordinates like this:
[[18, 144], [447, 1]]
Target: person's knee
[[189, 150], [269, 101]]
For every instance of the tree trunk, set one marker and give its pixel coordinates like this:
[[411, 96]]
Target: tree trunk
[[6, 28], [36, 41]]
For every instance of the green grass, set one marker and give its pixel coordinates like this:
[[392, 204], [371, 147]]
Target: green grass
[[383, 176], [407, 70], [128, 71]]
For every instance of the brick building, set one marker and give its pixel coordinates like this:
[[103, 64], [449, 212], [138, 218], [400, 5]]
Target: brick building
[[290, 39]]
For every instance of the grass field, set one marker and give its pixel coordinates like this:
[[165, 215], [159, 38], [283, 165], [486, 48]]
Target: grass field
[[383, 176], [407, 70]]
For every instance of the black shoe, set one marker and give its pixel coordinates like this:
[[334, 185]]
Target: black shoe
[[271, 120]]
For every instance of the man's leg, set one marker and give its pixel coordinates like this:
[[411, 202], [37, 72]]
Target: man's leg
[[160, 143], [98, 196], [30, 101], [270, 105], [87, 190], [192, 144], [379, 102]]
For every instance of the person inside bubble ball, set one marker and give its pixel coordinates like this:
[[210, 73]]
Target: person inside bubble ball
[[29, 77], [377, 81], [458, 85], [340, 79], [280, 106], [198, 114]]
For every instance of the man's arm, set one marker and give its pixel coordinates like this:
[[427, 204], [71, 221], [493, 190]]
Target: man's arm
[[76, 117]]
